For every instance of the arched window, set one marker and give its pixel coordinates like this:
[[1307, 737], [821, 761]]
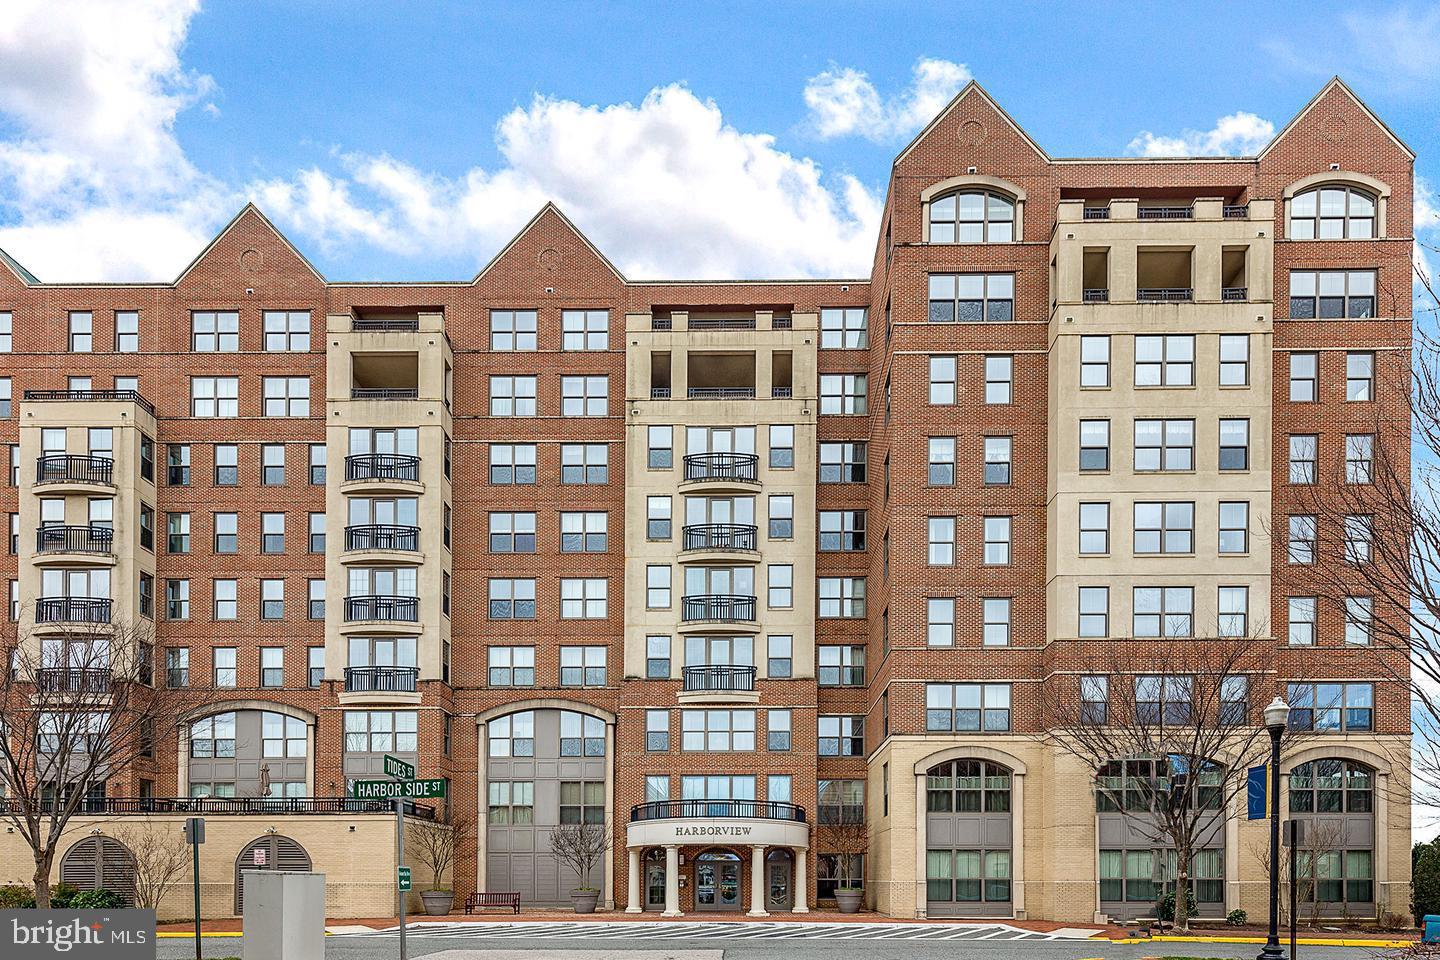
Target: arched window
[[1332, 786], [1332, 212], [967, 786], [972, 216]]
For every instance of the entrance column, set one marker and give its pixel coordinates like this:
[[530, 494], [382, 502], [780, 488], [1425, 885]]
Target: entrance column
[[757, 882], [802, 888], [633, 884], [672, 880]]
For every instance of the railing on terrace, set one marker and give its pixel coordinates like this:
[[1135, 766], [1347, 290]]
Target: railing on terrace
[[73, 679], [719, 393], [719, 536], [404, 609], [1096, 295], [722, 323], [1236, 211], [237, 806], [74, 468], [1165, 294], [1097, 213], [72, 610], [62, 539], [724, 608], [1165, 213], [1234, 294], [687, 809], [721, 677], [382, 537], [382, 466], [722, 466], [384, 393], [131, 396], [368, 324], [381, 679]]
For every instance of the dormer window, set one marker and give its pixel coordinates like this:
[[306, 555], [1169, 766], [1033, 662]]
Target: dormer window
[[972, 216], [1334, 211]]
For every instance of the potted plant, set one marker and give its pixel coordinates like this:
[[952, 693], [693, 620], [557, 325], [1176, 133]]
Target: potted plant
[[581, 846], [434, 846], [847, 837]]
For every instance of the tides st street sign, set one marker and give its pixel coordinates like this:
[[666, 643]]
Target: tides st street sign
[[398, 789]]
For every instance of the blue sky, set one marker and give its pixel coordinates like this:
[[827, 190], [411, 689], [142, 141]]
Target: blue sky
[[410, 140]]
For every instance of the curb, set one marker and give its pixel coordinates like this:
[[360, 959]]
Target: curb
[[1302, 941]]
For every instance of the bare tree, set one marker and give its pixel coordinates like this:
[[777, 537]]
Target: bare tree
[[1169, 731], [1321, 837], [580, 846], [161, 857], [849, 838], [435, 844], [80, 708]]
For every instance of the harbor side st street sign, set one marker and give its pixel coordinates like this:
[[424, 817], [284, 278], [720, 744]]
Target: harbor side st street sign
[[398, 789]]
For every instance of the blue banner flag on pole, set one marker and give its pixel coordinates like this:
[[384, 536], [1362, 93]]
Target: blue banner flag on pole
[[1257, 792]]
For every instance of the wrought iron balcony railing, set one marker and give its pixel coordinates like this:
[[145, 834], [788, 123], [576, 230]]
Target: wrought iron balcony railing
[[1234, 294], [239, 806], [1096, 295], [403, 609], [74, 468], [720, 536], [723, 608], [1165, 213], [722, 677], [72, 610], [382, 466], [722, 466], [694, 809], [722, 323], [1236, 211], [62, 539], [381, 679], [382, 537], [130, 396], [73, 679], [720, 393], [368, 324], [1165, 294], [384, 393]]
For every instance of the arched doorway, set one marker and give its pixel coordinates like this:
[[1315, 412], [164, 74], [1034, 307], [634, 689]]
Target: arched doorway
[[1335, 866], [968, 839], [717, 881], [100, 863], [267, 853], [653, 867], [779, 881]]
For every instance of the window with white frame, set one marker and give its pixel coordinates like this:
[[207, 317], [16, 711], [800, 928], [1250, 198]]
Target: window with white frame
[[584, 598], [1165, 361], [843, 393], [940, 622], [584, 396], [512, 397], [843, 328], [214, 396], [513, 330], [585, 329]]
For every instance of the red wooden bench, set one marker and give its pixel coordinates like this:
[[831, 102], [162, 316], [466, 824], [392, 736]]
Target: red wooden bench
[[479, 901]]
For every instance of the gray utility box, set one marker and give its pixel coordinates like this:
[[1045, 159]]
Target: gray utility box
[[284, 915]]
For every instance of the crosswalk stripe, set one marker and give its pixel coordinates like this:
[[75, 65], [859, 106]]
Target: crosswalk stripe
[[700, 930]]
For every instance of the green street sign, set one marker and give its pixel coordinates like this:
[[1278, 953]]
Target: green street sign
[[398, 789], [402, 876], [399, 769]]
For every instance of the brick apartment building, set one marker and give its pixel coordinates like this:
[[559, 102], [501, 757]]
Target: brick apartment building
[[714, 562]]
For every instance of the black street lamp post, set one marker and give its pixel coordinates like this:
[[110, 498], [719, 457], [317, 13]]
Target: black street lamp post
[[1276, 717]]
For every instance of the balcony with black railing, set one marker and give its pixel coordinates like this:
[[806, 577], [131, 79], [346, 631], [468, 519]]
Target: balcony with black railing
[[383, 466], [72, 610], [398, 609], [1234, 294], [65, 539], [1186, 212], [718, 608], [720, 536], [381, 679], [75, 468], [720, 393], [73, 680], [382, 537], [719, 677], [362, 324], [742, 467], [124, 396], [384, 393], [1096, 295], [1165, 294], [697, 809], [236, 806]]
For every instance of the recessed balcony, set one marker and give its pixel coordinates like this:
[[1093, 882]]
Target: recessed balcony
[[72, 610], [65, 544], [80, 471], [73, 680], [380, 472]]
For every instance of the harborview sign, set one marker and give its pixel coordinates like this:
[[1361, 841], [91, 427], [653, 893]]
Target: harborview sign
[[713, 830]]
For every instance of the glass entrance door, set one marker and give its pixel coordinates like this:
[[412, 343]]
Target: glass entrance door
[[717, 882], [777, 885], [655, 886]]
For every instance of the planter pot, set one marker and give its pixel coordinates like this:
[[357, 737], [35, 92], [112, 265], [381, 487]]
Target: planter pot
[[849, 900], [584, 900], [437, 902]]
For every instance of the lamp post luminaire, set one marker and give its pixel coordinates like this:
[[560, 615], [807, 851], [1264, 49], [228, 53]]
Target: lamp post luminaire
[[1277, 715]]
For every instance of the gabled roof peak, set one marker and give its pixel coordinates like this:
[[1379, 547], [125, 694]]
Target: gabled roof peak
[[249, 210], [552, 209], [1336, 83], [972, 88], [26, 277]]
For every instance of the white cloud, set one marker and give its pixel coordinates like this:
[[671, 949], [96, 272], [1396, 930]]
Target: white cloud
[[843, 102], [1399, 45], [1239, 133]]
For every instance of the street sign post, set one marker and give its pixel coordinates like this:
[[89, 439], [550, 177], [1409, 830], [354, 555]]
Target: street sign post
[[402, 876], [399, 769], [398, 789], [195, 835]]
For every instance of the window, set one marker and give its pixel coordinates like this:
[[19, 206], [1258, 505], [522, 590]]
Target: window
[[660, 451], [997, 460], [1094, 445], [317, 464], [1164, 527], [1234, 359], [6, 396], [315, 664], [512, 330], [841, 736], [1302, 539], [584, 396], [1302, 621], [177, 667], [1234, 444], [227, 532], [1332, 707], [782, 517], [584, 532], [583, 599], [580, 463], [1167, 361], [1234, 527], [1359, 376], [1164, 700], [272, 533], [842, 597], [842, 530], [225, 606], [782, 446], [967, 707], [657, 586], [147, 526], [512, 533], [940, 622], [1359, 458], [177, 465], [657, 657], [840, 666], [272, 464], [512, 599], [997, 540], [512, 397], [778, 739], [272, 667], [585, 329], [223, 666], [778, 655], [940, 548], [1332, 786], [1304, 377], [214, 396], [1332, 212], [1358, 614], [227, 465], [717, 730], [972, 217], [1163, 612], [1332, 294], [512, 463], [999, 378], [1164, 445], [6, 331], [843, 462], [1094, 612], [1359, 534], [1094, 361], [382, 731], [843, 393], [272, 599], [512, 666], [1303, 457], [658, 518], [286, 396], [82, 331], [177, 532], [657, 731], [972, 297], [317, 533], [843, 328], [582, 666], [941, 470], [996, 629], [215, 332], [177, 599], [287, 330], [780, 581], [1095, 528], [1233, 604], [316, 595], [213, 736]]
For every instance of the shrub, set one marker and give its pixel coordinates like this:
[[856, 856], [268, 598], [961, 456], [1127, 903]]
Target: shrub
[[1167, 906], [1236, 918], [97, 900], [16, 897], [61, 896]]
